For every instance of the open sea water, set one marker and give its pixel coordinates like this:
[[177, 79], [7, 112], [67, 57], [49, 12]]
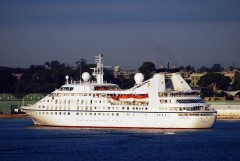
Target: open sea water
[[20, 140]]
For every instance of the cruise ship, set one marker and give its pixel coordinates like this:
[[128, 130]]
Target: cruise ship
[[163, 101]]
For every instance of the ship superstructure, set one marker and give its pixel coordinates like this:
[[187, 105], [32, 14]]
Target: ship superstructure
[[164, 101]]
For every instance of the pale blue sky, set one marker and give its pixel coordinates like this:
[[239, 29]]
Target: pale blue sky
[[128, 32]]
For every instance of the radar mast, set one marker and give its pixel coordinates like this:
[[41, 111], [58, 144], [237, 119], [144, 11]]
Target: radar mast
[[98, 71]]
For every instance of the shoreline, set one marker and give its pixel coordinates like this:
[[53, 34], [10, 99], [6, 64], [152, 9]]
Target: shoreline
[[13, 116]]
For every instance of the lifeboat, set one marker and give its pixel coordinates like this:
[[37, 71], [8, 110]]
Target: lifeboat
[[126, 97], [116, 98], [141, 97]]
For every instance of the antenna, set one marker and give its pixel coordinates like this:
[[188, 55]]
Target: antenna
[[98, 71]]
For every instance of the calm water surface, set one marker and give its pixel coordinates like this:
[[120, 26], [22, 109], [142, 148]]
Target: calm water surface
[[20, 140]]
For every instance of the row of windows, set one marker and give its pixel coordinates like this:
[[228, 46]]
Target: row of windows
[[78, 113], [77, 94], [182, 101], [195, 114], [82, 102], [52, 113], [166, 101], [91, 108], [89, 113], [195, 108], [191, 101], [161, 114], [191, 94], [117, 114]]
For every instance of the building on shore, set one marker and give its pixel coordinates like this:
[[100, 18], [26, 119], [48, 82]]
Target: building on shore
[[195, 77], [118, 72]]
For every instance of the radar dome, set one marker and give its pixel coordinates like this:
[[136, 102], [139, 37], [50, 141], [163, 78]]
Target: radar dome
[[138, 78], [86, 76]]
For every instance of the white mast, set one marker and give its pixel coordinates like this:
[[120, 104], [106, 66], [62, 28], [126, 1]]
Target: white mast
[[98, 71]]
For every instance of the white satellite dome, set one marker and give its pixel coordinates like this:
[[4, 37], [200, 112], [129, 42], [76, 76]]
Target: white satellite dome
[[86, 76], [67, 77], [138, 78]]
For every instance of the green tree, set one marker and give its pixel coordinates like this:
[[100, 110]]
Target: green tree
[[7, 80], [216, 68], [147, 68], [236, 81], [203, 69], [212, 82], [190, 68]]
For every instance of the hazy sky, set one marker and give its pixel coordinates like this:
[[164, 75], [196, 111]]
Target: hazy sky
[[128, 32]]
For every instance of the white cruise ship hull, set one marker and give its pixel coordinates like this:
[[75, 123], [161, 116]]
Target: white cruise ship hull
[[122, 119], [163, 101]]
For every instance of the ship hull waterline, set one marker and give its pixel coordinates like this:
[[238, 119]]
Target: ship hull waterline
[[124, 120]]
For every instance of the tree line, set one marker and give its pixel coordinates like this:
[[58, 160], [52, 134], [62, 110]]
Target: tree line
[[46, 78]]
